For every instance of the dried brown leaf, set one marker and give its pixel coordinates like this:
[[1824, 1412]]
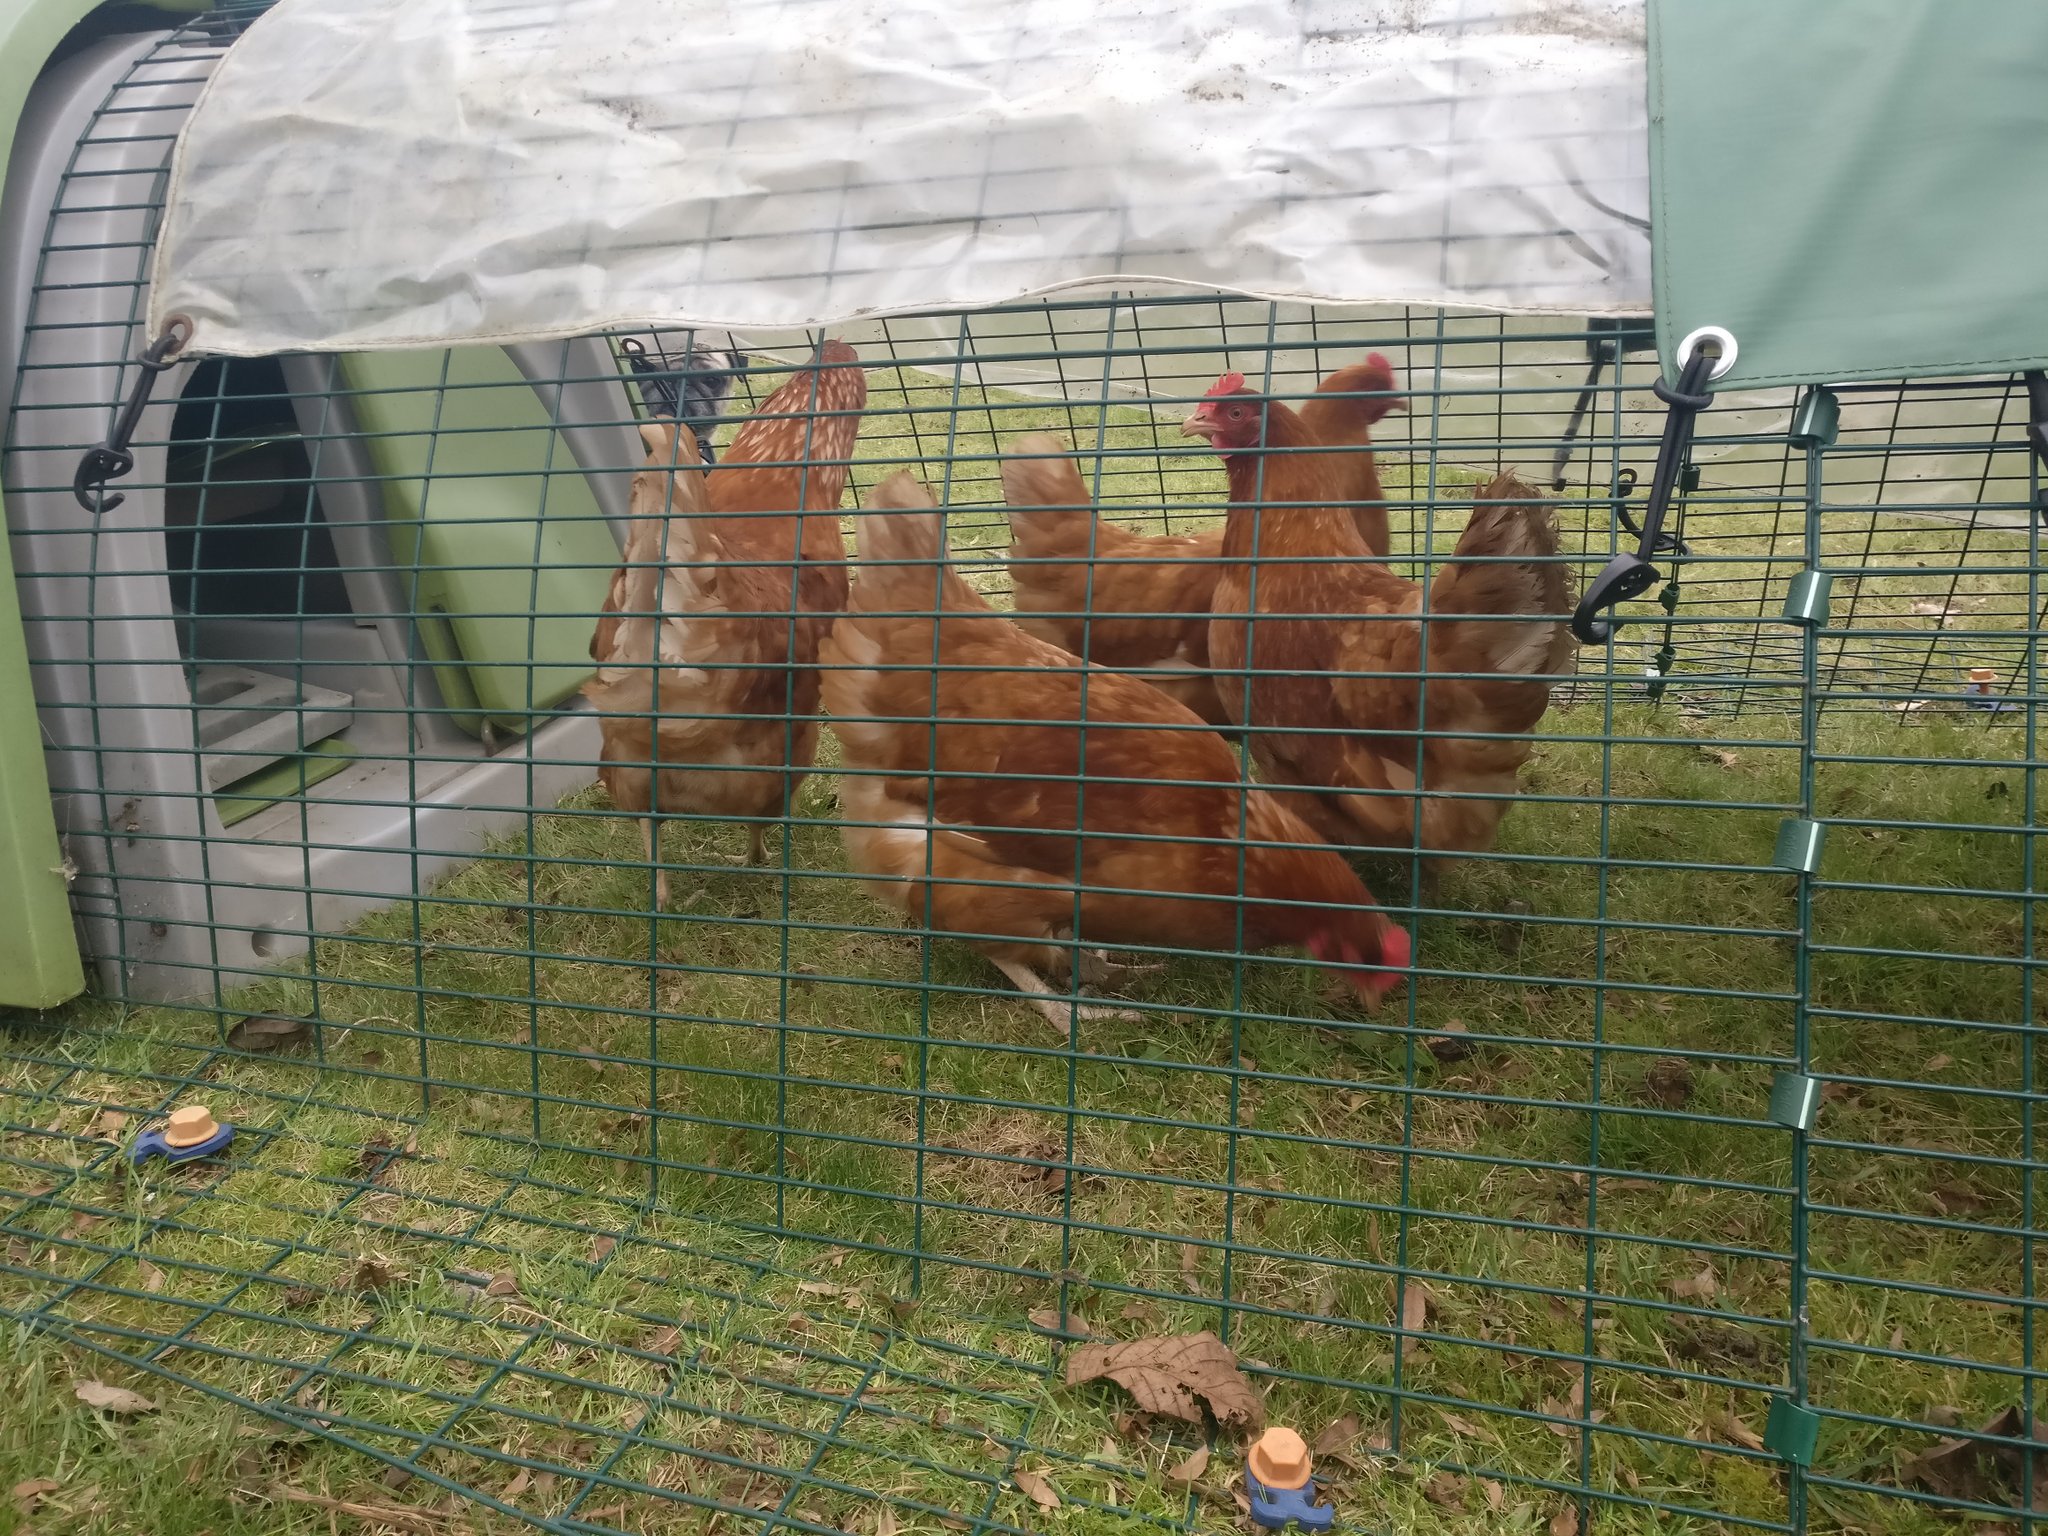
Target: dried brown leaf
[[1034, 1486], [1174, 1375], [29, 1494], [1565, 1522], [110, 1399], [1453, 1044], [297, 1298], [1072, 1326], [1670, 1081], [107, 1125], [1189, 1471], [152, 1277], [1701, 1286], [373, 1272], [1461, 1426], [1936, 1063], [1190, 1262], [521, 1481], [1964, 1469], [270, 1032], [1416, 1306], [503, 1283], [1496, 1496], [1445, 1489], [1337, 1435], [601, 1248], [1734, 1432], [885, 1521], [1138, 1312]]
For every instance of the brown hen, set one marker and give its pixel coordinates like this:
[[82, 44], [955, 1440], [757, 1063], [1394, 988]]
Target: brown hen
[[1140, 602], [711, 560], [968, 822], [1330, 646]]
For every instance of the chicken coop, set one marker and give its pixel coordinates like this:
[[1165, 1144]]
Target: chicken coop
[[1395, 793]]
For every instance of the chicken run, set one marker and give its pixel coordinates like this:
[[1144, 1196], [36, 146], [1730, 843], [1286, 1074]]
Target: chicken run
[[990, 900]]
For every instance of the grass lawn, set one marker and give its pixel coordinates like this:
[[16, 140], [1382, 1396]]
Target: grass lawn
[[743, 1214]]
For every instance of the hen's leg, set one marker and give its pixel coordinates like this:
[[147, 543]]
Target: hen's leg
[[757, 849], [650, 843], [1052, 1002], [1097, 969]]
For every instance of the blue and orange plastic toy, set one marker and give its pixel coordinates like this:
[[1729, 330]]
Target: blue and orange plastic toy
[[189, 1133], [1277, 1479]]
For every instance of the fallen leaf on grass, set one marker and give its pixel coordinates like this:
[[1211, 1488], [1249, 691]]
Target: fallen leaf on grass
[[1669, 1081], [107, 1125], [1936, 1063], [1445, 1490], [1719, 755], [1963, 1469], [1565, 1522], [845, 1295], [885, 1521], [28, 1495], [1496, 1496], [1190, 1262], [517, 1486], [373, 1272], [371, 1160], [1465, 1427], [1735, 1432], [601, 1248], [1072, 1326], [1452, 1044], [1702, 1286], [1174, 1376], [1138, 1312], [1189, 1472], [152, 1277], [1034, 1487], [270, 1032], [97, 1394], [1416, 1306], [503, 1283], [1336, 1435]]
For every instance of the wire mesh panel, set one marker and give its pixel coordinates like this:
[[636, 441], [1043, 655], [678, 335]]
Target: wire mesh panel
[[1682, 1178]]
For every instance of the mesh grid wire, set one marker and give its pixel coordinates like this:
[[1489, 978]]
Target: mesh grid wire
[[772, 1208]]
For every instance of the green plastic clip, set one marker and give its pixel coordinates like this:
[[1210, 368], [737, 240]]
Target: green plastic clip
[[1815, 419], [1799, 845], [1806, 600], [1792, 1431], [1795, 1100]]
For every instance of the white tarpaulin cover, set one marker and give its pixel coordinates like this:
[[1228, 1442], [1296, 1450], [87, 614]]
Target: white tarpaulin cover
[[394, 173]]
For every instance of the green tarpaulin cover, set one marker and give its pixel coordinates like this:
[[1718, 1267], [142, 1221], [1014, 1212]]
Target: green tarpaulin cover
[[1853, 188]]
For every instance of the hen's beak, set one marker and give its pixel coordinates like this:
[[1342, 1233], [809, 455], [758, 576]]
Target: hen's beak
[[1201, 424]]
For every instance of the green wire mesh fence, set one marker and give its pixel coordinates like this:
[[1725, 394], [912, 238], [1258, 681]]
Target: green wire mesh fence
[[1687, 1184]]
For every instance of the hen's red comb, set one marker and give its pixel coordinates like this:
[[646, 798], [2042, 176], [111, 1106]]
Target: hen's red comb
[[1229, 384], [1379, 360]]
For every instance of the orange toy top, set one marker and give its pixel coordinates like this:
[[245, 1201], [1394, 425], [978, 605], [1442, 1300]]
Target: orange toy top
[[1279, 1459]]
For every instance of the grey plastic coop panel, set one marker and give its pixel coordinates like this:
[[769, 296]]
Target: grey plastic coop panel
[[170, 662]]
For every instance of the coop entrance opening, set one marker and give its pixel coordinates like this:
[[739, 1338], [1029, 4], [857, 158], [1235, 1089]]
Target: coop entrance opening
[[253, 572]]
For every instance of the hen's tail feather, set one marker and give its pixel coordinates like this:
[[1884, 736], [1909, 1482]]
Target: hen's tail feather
[[1515, 531], [1039, 471], [902, 542]]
